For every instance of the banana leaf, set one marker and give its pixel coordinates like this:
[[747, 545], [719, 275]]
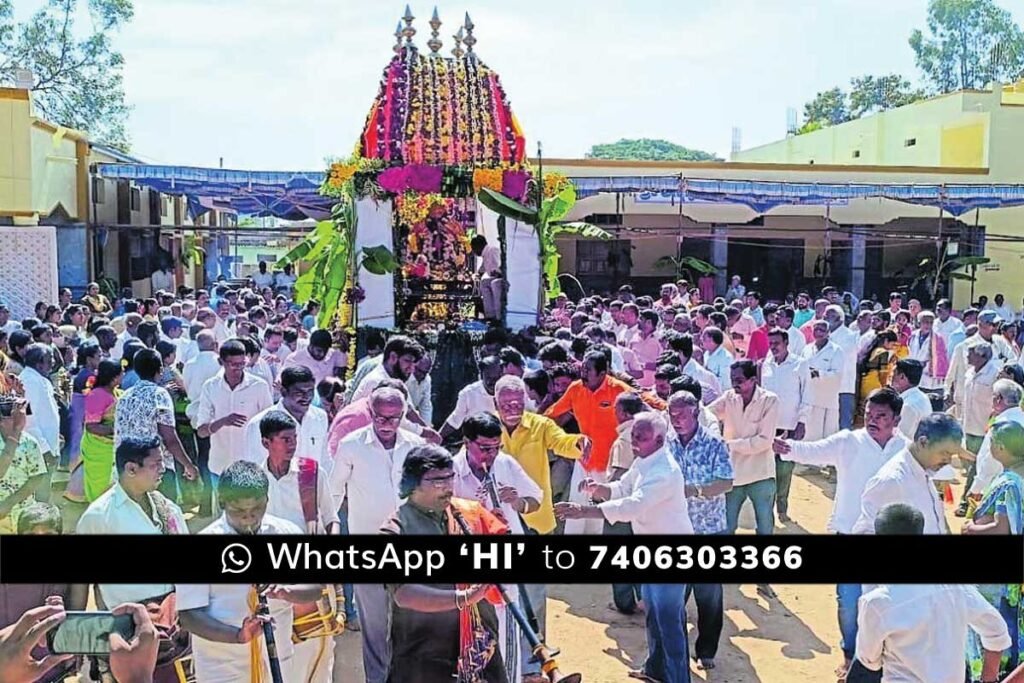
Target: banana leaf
[[510, 208], [559, 206], [580, 228], [379, 260], [334, 280]]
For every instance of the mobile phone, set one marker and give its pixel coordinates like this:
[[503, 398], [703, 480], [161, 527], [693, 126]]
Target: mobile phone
[[88, 633]]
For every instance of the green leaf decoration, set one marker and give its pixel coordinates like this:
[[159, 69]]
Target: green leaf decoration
[[510, 208], [379, 260]]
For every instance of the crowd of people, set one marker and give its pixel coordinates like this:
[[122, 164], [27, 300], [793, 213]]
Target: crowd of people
[[230, 412]]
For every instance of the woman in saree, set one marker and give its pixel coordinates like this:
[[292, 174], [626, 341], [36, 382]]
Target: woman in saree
[[98, 439], [1002, 512], [876, 368], [96, 302], [89, 357], [901, 325]]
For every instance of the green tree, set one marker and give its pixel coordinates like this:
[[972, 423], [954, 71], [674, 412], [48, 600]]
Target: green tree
[[870, 94], [828, 108], [646, 149], [969, 44], [77, 76]]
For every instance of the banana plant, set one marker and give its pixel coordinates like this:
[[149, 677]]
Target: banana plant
[[546, 221], [191, 253], [687, 266], [935, 272], [328, 253]]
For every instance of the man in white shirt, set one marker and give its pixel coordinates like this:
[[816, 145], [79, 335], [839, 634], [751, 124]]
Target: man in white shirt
[[907, 476], [950, 328], [857, 456], [477, 397], [300, 493], [261, 278], [494, 479], [227, 402], [982, 373], [786, 375], [1002, 310], [420, 389], [44, 419], [846, 339], [368, 471], [222, 326], [650, 497], [221, 617], [918, 633], [133, 505], [397, 362], [1006, 401], [630, 330], [297, 388], [682, 346], [284, 282], [825, 361], [717, 359], [784, 318], [131, 327], [489, 275], [750, 416], [162, 280], [319, 356], [916, 404], [929, 347]]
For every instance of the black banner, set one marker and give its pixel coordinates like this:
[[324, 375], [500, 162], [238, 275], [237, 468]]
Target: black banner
[[511, 559]]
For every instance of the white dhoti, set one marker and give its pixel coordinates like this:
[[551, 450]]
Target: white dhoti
[[313, 661], [821, 423], [509, 636], [579, 527], [492, 289]]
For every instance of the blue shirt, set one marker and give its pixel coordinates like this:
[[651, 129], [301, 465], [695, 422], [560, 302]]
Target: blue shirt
[[703, 460]]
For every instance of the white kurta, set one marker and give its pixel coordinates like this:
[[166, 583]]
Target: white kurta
[[823, 390]]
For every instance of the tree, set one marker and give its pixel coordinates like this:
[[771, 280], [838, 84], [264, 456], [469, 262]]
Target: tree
[[77, 80], [970, 43], [646, 149], [869, 95], [827, 108]]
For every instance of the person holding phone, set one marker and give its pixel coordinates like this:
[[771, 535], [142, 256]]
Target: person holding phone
[[22, 467], [132, 660]]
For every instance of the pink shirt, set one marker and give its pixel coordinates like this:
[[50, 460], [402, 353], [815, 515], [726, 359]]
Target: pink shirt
[[647, 351], [352, 417], [744, 327], [322, 369]]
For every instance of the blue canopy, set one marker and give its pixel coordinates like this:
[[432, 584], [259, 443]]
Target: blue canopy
[[762, 195], [294, 195]]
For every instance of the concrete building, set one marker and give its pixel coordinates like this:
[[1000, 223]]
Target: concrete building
[[866, 246]]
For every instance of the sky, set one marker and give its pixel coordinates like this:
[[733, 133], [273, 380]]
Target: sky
[[285, 84]]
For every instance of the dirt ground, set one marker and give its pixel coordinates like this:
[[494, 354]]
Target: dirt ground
[[791, 638]]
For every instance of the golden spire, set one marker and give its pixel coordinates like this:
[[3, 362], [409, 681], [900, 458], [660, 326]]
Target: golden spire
[[434, 43], [408, 31], [457, 50], [469, 40]]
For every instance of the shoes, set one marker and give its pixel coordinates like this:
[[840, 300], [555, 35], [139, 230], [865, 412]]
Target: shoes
[[641, 676], [962, 510]]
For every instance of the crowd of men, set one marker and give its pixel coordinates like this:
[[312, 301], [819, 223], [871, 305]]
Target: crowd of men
[[615, 415]]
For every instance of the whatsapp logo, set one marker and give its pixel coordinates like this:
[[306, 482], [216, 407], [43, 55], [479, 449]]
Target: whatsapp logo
[[235, 559]]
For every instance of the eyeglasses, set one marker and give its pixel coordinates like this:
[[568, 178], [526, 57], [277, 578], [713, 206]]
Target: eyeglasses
[[387, 419], [440, 482]]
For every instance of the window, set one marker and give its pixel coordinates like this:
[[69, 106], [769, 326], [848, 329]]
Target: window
[[602, 257], [910, 142], [604, 218], [164, 203], [856, 154], [136, 199], [99, 190]]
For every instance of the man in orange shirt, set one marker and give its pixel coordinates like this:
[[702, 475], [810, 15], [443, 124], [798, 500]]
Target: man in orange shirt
[[591, 400]]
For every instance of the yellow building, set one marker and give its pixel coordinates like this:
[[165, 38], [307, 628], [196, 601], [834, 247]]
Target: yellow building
[[866, 246], [101, 225]]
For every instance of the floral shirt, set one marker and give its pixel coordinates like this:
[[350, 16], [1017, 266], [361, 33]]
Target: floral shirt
[[141, 410], [27, 463], [703, 460]]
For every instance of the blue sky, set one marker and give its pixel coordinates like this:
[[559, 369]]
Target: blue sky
[[282, 84]]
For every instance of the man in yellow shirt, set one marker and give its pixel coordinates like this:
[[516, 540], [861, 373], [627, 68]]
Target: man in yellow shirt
[[528, 437]]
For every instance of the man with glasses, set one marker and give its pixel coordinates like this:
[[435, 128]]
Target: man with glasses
[[494, 479], [427, 623], [368, 471]]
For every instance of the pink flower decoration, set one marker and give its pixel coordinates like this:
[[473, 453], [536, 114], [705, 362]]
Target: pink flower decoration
[[424, 178], [513, 184], [394, 179]]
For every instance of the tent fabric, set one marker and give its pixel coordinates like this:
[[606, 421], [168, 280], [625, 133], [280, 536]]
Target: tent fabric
[[292, 195], [523, 264], [295, 194], [374, 228], [764, 195]]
